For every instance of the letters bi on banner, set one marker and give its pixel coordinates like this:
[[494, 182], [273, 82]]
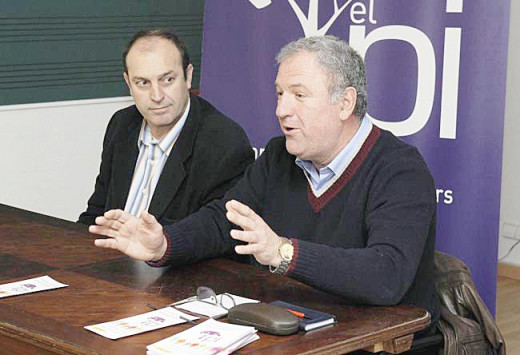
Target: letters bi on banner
[[436, 75], [359, 14]]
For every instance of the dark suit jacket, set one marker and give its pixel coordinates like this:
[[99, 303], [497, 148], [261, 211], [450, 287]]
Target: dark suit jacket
[[209, 156]]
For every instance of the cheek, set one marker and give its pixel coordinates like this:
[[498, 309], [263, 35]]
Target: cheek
[[177, 93], [140, 94], [140, 100]]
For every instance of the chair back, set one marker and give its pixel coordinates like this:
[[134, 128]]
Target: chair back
[[466, 323]]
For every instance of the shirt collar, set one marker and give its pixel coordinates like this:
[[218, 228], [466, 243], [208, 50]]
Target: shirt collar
[[166, 142], [343, 159]]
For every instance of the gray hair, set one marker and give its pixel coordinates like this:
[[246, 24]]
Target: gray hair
[[344, 66]]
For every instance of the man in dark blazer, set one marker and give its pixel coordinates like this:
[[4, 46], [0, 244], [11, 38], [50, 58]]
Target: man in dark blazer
[[207, 153]]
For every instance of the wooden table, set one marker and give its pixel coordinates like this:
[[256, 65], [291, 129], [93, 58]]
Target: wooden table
[[104, 285]]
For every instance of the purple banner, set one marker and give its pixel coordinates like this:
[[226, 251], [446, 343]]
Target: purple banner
[[436, 77]]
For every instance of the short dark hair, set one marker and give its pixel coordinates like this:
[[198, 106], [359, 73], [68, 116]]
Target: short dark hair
[[161, 33]]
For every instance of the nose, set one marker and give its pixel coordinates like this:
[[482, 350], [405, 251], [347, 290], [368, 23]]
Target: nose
[[283, 106], [156, 93]]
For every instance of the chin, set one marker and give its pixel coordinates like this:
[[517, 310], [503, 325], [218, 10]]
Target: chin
[[293, 150]]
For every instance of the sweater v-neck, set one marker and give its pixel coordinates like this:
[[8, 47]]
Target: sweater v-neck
[[318, 202]]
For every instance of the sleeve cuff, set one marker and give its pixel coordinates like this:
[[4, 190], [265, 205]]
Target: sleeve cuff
[[163, 261], [296, 253]]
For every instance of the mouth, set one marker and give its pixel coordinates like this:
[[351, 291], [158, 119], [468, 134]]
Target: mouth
[[159, 110], [288, 130]]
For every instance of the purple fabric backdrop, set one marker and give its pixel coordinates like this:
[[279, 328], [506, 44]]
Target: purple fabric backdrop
[[436, 77]]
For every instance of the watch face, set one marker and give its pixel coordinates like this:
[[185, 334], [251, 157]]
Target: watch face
[[286, 251]]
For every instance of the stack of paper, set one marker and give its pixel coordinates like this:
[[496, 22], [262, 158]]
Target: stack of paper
[[207, 338], [214, 310], [141, 323]]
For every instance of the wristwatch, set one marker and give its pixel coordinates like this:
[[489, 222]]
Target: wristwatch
[[286, 251]]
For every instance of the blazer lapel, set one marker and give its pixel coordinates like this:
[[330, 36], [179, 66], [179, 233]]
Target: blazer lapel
[[174, 172], [125, 158], [171, 178]]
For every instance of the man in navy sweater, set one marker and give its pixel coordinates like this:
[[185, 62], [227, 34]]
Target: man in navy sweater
[[336, 203]]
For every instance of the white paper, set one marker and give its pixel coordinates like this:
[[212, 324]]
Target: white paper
[[36, 284], [213, 310], [207, 338], [141, 323], [239, 344]]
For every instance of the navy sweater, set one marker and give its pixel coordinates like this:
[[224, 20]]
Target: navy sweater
[[369, 238]]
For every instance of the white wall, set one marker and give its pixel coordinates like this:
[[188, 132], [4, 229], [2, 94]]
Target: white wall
[[50, 153], [510, 198]]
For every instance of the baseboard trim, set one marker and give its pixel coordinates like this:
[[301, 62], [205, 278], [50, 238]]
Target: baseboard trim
[[509, 270]]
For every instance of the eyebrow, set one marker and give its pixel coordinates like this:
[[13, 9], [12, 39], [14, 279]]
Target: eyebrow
[[293, 86], [297, 86], [167, 73], [160, 76]]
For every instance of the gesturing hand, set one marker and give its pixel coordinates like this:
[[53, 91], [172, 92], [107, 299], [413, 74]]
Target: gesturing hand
[[262, 241], [141, 239]]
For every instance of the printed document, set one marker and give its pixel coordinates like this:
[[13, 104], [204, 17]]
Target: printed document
[[207, 338], [36, 284], [141, 323]]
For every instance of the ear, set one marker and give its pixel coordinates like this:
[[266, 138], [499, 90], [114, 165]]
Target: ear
[[127, 80], [347, 103], [189, 75]]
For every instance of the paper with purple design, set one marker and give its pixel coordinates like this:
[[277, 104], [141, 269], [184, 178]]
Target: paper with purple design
[[209, 337], [141, 323], [36, 284]]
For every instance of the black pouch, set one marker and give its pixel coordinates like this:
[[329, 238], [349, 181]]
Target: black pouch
[[264, 317]]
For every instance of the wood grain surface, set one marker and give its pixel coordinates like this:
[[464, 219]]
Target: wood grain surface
[[104, 286]]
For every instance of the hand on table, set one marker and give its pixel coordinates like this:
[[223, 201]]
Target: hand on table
[[140, 238]]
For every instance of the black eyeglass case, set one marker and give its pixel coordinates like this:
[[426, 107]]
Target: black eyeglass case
[[264, 317]]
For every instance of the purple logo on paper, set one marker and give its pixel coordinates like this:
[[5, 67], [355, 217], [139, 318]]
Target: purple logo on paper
[[157, 319], [209, 336]]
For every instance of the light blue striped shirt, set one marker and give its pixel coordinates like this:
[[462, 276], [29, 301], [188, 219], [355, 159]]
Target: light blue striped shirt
[[153, 154], [320, 180]]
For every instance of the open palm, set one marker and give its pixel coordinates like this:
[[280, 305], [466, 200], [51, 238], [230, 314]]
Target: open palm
[[141, 239]]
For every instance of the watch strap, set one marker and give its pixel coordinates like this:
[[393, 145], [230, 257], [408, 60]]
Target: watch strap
[[284, 264]]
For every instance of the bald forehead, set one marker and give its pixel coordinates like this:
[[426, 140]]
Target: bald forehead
[[154, 52], [148, 44]]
